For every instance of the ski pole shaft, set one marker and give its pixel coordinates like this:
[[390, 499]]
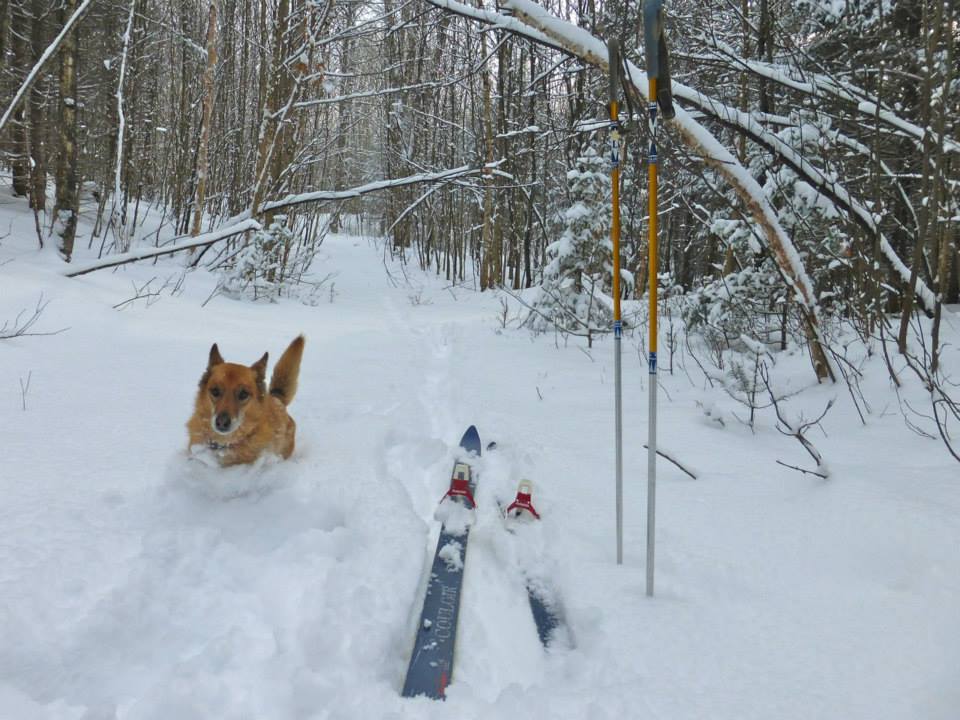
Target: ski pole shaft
[[652, 285], [614, 58], [613, 49]]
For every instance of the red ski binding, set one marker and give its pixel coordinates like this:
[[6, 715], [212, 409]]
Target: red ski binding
[[522, 501], [460, 484]]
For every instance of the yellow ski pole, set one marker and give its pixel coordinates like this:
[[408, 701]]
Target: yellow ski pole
[[658, 69], [613, 51]]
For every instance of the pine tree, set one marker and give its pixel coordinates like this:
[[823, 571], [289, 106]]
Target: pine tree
[[574, 294]]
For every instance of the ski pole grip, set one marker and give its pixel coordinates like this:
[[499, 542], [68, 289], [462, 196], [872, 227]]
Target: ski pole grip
[[652, 35], [613, 55]]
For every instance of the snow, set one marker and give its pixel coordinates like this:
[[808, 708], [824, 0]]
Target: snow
[[797, 160], [541, 27], [452, 555], [137, 582], [302, 198], [816, 84], [457, 518]]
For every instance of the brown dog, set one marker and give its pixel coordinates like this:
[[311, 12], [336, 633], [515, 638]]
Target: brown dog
[[236, 417]]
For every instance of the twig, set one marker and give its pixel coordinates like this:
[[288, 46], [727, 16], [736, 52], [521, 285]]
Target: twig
[[786, 428], [667, 456], [24, 389], [22, 329], [144, 293], [951, 407], [804, 470], [216, 291], [139, 293]]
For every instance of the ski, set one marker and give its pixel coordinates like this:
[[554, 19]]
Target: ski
[[545, 605], [431, 662]]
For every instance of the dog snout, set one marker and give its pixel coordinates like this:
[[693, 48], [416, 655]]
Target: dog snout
[[223, 422]]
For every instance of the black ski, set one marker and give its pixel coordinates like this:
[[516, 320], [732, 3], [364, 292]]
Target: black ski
[[431, 663], [545, 605]]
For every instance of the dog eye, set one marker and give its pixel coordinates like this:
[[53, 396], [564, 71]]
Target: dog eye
[[216, 392], [242, 394]]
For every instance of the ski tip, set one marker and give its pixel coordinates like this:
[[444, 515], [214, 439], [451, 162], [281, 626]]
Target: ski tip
[[471, 440]]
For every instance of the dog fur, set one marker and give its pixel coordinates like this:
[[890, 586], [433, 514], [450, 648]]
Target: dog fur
[[235, 415]]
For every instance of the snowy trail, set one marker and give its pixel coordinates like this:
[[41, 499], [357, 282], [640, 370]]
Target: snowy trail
[[495, 649]]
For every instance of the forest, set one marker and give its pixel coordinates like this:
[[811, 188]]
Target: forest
[[808, 183], [298, 296]]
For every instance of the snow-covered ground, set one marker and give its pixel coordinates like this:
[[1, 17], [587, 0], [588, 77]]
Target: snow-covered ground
[[136, 584]]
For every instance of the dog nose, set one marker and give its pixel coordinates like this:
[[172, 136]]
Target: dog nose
[[223, 422]]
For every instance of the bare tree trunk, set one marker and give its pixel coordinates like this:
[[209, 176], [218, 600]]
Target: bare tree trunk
[[19, 154], [345, 120], [746, 30], [929, 208], [943, 164], [118, 213], [182, 148], [765, 51], [4, 28], [396, 155], [205, 121], [38, 161], [68, 198], [490, 261], [275, 93], [531, 202]]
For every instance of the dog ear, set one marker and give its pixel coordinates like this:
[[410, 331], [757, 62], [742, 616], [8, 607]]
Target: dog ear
[[215, 357], [260, 368]]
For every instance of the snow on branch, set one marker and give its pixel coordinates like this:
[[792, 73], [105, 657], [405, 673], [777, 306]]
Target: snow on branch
[[501, 21], [582, 44], [818, 84], [49, 53], [328, 195], [363, 94], [832, 189], [182, 243], [243, 222]]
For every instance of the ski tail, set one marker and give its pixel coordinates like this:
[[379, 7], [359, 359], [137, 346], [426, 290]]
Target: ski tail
[[545, 603], [548, 615]]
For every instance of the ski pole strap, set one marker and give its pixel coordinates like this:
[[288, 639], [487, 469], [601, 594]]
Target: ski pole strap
[[613, 66], [657, 55]]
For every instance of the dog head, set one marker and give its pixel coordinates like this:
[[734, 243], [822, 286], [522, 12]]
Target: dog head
[[233, 394]]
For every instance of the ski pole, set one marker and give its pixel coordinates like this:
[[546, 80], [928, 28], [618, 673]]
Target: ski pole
[[613, 50], [652, 390], [657, 69]]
